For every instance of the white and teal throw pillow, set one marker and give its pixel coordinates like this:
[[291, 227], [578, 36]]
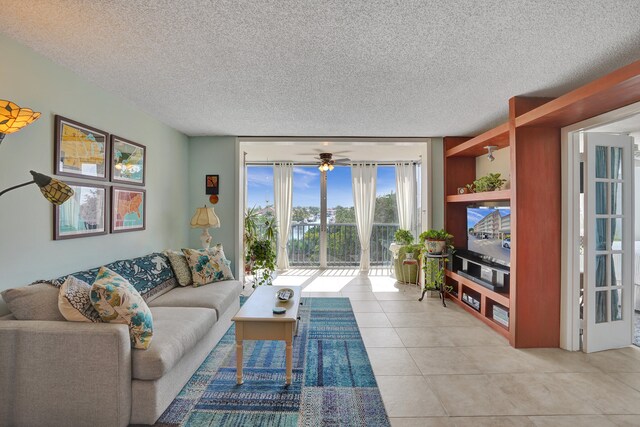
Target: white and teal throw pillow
[[74, 301], [117, 301], [208, 265]]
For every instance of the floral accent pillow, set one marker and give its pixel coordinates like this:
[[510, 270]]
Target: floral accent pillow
[[74, 301], [207, 265], [117, 301]]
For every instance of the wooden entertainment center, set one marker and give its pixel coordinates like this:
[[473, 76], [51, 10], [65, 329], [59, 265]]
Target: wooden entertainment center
[[533, 133]]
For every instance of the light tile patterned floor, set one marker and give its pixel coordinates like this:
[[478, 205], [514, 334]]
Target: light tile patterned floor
[[439, 366]]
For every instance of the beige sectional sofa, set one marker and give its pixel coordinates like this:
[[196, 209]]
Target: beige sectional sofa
[[59, 373]]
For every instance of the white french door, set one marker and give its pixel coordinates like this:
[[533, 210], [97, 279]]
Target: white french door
[[609, 241]]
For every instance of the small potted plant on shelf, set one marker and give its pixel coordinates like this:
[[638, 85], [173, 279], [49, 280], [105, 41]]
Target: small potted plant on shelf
[[490, 182], [436, 242]]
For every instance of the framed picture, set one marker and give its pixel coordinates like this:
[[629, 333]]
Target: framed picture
[[128, 209], [80, 150], [84, 214], [128, 161], [212, 183]]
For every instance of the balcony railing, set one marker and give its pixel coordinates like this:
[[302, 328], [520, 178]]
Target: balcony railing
[[343, 244]]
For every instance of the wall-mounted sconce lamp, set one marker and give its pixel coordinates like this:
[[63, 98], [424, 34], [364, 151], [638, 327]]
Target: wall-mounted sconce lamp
[[490, 149], [14, 118]]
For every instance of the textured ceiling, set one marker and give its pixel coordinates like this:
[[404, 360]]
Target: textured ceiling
[[330, 67]]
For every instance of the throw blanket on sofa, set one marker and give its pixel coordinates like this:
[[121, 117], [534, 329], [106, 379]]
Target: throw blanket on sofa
[[151, 274]]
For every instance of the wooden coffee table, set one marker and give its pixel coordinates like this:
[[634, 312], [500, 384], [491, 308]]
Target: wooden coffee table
[[256, 321]]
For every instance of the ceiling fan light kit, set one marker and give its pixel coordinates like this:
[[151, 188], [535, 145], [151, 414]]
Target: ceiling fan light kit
[[327, 162]]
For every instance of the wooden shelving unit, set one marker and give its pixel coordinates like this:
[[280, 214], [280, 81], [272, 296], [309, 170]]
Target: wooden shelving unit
[[533, 301], [500, 195], [533, 134]]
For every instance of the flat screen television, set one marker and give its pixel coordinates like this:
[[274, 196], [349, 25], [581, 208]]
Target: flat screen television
[[489, 233]]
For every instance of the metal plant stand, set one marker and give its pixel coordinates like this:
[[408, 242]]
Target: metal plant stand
[[434, 275]]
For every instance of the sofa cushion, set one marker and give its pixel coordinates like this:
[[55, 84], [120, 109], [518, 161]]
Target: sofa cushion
[[38, 301], [176, 331], [117, 301], [74, 301], [207, 266], [219, 296], [151, 274], [180, 267]]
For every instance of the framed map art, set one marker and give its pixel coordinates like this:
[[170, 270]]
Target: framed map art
[[127, 161], [128, 209], [84, 214], [80, 150]]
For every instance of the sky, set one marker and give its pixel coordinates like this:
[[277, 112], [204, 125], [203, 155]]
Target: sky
[[306, 185], [476, 214]]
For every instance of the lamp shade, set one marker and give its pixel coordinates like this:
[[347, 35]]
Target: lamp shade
[[57, 192], [205, 218], [14, 118]]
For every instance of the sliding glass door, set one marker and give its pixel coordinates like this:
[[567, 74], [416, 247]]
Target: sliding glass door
[[323, 227]]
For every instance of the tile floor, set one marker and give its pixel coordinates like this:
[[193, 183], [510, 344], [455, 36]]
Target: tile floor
[[439, 366]]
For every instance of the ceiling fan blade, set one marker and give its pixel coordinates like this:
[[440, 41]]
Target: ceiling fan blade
[[342, 160]]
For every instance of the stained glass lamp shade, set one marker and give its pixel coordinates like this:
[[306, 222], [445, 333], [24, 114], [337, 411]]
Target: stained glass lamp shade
[[13, 118], [205, 218], [57, 192]]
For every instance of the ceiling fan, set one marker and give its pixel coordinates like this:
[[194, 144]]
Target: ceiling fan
[[327, 161]]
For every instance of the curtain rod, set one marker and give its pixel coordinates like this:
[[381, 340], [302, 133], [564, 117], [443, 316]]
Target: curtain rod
[[387, 163]]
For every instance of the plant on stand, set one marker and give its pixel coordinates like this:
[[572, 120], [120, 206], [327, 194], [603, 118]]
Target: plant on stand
[[263, 256], [260, 235], [436, 242], [404, 249]]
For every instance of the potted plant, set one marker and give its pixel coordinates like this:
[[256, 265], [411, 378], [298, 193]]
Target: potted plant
[[263, 261], [260, 232], [404, 249], [403, 237], [490, 182], [436, 241]]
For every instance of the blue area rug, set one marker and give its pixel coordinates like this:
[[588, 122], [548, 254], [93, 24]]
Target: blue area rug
[[333, 383]]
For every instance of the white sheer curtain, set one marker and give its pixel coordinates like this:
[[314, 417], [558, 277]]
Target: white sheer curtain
[[406, 194], [282, 201], [363, 179]]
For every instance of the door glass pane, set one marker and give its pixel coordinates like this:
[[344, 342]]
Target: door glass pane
[[616, 162], [601, 306], [601, 162], [616, 304], [601, 198], [343, 243], [616, 233], [616, 270], [601, 234], [616, 198], [601, 271], [304, 234]]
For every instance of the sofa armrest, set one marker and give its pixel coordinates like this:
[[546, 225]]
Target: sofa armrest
[[64, 373]]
